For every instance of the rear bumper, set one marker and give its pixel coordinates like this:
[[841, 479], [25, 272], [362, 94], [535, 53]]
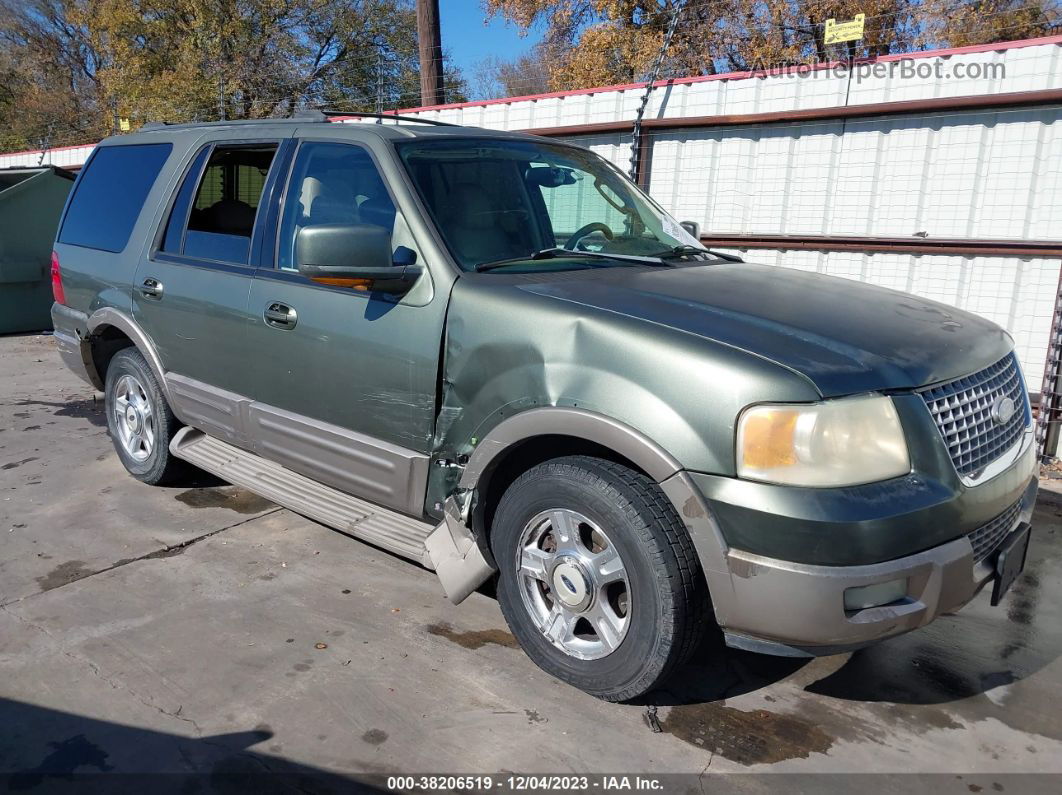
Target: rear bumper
[[71, 328], [778, 606]]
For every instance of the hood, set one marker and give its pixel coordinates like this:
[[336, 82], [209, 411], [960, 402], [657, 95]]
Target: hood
[[845, 336]]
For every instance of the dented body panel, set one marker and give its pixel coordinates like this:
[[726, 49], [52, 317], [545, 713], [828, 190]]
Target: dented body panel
[[510, 348]]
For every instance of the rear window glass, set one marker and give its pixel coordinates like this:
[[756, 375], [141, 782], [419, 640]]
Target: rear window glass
[[110, 194]]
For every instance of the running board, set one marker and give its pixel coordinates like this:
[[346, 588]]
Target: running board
[[393, 531]]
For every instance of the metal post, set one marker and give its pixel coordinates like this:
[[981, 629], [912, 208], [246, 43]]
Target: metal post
[[1049, 415], [379, 77], [636, 137]]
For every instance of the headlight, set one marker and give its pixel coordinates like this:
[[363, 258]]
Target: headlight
[[835, 443]]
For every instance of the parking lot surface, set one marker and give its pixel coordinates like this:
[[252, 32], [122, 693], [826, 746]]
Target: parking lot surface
[[205, 629]]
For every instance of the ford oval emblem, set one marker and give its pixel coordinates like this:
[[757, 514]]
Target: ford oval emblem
[[568, 584], [1003, 409]]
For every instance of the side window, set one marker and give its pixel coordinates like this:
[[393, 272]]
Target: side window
[[332, 183], [221, 217], [110, 195], [174, 236]]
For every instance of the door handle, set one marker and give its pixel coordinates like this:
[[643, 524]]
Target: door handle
[[151, 288], [280, 316]]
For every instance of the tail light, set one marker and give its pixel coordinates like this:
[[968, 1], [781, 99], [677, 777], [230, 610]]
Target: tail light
[[57, 281]]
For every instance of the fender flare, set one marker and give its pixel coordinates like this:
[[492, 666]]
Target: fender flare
[[109, 316], [578, 423], [688, 502]]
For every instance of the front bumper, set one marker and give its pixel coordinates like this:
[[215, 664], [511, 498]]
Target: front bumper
[[781, 606]]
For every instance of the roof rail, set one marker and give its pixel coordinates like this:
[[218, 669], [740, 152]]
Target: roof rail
[[323, 114], [176, 125], [302, 116]]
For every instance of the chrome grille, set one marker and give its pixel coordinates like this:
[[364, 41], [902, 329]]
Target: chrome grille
[[988, 536], [962, 410]]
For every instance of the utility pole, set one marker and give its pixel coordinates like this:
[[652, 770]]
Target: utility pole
[[429, 40]]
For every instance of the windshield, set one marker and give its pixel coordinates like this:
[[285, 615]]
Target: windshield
[[498, 200]]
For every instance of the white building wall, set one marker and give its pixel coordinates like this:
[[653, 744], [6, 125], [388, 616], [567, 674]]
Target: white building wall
[[65, 157], [1016, 293]]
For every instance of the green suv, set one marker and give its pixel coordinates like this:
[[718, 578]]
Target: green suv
[[493, 354]]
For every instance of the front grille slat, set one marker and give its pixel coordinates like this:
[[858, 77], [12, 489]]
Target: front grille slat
[[962, 410], [986, 538]]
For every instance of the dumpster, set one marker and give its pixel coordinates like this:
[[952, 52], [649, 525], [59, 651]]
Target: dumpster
[[31, 201]]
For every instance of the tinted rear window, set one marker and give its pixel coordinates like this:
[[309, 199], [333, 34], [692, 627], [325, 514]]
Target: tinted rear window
[[109, 195]]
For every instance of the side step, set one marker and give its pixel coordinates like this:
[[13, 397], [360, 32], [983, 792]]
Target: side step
[[393, 531]]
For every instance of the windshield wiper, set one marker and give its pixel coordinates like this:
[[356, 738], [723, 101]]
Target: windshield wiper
[[558, 252], [681, 251]]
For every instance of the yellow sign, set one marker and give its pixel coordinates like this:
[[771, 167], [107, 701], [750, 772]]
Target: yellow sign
[[123, 125], [837, 32]]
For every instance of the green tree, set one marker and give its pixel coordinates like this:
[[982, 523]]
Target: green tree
[[73, 68]]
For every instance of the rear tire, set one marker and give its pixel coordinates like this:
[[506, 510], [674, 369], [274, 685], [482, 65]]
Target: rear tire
[[140, 422], [613, 629]]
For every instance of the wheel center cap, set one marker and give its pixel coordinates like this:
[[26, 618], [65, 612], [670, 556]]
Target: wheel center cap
[[571, 585], [133, 418]]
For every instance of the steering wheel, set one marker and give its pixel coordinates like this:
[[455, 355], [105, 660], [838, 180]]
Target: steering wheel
[[583, 231]]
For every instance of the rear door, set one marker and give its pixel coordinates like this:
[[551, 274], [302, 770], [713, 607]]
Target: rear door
[[190, 291], [346, 387]]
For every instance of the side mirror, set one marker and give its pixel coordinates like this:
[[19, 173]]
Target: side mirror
[[692, 227], [356, 256]]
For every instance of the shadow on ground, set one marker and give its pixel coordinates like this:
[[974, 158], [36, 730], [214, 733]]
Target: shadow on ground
[[89, 409], [45, 750]]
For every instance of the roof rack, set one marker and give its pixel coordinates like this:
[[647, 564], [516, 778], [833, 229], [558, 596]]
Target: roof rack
[[325, 115], [302, 116], [176, 125]]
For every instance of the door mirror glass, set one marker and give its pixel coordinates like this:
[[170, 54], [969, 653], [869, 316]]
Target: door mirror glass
[[692, 227]]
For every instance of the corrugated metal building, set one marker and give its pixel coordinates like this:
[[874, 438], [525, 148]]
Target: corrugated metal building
[[936, 172]]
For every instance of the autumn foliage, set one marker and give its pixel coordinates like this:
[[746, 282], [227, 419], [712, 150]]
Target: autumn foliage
[[597, 42]]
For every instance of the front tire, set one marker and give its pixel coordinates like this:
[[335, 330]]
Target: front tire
[[139, 420], [599, 581]]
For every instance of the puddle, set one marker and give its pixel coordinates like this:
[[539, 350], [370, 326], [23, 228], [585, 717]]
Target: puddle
[[231, 497], [65, 757], [474, 639], [64, 574], [374, 737], [748, 738]]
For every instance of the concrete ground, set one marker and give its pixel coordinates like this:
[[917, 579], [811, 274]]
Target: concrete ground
[[204, 629]]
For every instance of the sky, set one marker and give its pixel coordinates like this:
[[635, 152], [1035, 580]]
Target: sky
[[467, 41]]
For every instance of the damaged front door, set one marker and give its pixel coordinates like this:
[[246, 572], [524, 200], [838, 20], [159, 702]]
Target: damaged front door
[[362, 361]]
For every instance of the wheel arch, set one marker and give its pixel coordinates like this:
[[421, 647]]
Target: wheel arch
[[109, 331], [526, 439], [536, 435]]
